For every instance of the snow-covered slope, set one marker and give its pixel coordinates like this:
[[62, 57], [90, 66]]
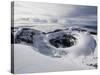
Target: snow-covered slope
[[27, 60], [34, 52]]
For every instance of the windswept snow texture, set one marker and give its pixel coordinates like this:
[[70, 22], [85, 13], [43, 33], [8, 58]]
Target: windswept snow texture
[[54, 37], [76, 42], [71, 47]]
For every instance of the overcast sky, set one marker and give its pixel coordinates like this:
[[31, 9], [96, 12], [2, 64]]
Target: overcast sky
[[74, 14]]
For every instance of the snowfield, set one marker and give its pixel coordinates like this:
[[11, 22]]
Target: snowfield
[[33, 51], [27, 60], [51, 37]]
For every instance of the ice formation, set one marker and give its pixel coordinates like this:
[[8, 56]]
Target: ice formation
[[57, 43], [56, 50]]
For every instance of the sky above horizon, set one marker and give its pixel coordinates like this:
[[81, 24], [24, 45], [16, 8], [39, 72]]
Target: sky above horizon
[[63, 13]]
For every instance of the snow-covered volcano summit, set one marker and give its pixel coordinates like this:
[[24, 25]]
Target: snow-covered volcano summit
[[71, 48], [57, 42]]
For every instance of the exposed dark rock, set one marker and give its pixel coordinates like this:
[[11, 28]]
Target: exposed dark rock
[[57, 30], [26, 35], [64, 41], [93, 65], [94, 33]]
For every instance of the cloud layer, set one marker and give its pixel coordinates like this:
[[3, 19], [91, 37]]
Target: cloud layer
[[63, 13]]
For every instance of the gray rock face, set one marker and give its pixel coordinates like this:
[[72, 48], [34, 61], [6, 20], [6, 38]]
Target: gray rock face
[[26, 35], [63, 41]]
